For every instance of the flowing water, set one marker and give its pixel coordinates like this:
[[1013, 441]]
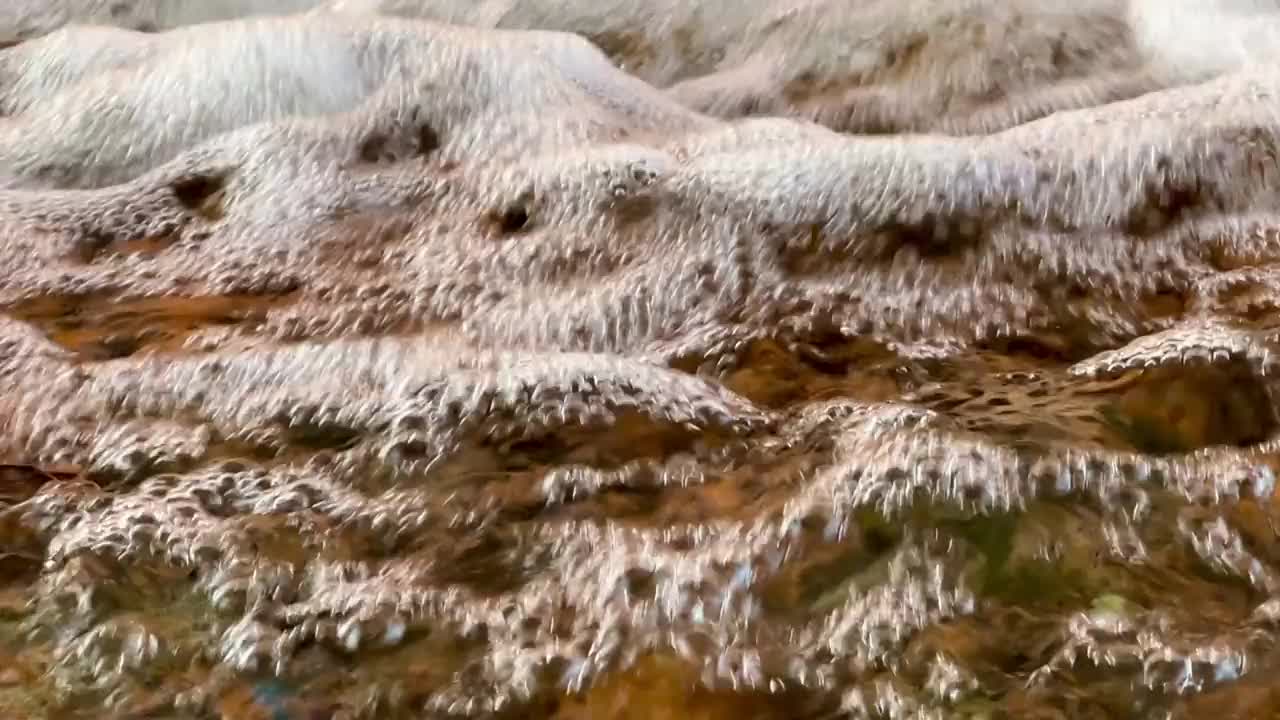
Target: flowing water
[[360, 367]]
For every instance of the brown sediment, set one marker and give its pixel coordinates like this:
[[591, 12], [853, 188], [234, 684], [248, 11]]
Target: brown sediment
[[98, 326]]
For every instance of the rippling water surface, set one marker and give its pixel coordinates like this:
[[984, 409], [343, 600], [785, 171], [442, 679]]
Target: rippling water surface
[[804, 360]]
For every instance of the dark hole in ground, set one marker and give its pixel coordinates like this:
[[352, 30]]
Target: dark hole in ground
[[200, 193]]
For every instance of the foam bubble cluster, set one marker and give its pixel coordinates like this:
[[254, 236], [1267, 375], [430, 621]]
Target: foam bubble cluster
[[355, 364]]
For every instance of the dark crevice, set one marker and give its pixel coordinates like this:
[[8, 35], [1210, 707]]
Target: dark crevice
[[323, 436], [201, 194], [373, 149], [379, 148], [1063, 348], [116, 347], [935, 236], [512, 220], [1170, 201], [1163, 211], [428, 140]]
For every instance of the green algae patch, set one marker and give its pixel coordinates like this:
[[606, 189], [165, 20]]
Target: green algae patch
[[1004, 571]]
